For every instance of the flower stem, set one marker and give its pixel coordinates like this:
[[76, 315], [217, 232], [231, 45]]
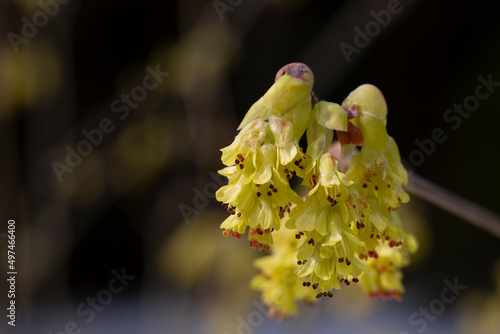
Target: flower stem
[[454, 204]]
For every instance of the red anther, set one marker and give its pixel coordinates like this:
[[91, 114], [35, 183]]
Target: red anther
[[362, 256], [392, 243], [236, 235], [267, 230], [261, 247]]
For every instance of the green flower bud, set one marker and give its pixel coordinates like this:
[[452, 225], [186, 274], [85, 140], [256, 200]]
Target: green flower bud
[[372, 116]]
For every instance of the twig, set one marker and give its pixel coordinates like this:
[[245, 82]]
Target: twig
[[454, 204]]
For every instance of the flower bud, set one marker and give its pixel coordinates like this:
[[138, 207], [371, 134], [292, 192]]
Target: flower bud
[[372, 116], [298, 71]]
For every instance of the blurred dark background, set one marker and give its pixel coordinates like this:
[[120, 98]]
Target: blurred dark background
[[122, 205]]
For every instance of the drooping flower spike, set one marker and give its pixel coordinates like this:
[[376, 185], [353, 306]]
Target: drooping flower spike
[[264, 156], [346, 229]]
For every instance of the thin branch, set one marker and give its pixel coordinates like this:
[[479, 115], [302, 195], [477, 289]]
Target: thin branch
[[454, 204]]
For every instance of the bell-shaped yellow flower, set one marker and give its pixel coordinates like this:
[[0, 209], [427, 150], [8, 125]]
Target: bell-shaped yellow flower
[[328, 219], [277, 282]]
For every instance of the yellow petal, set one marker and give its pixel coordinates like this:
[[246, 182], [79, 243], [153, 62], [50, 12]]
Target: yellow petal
[[330, 115]]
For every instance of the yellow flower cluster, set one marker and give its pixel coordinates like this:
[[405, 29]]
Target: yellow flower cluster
[[347, 228]]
